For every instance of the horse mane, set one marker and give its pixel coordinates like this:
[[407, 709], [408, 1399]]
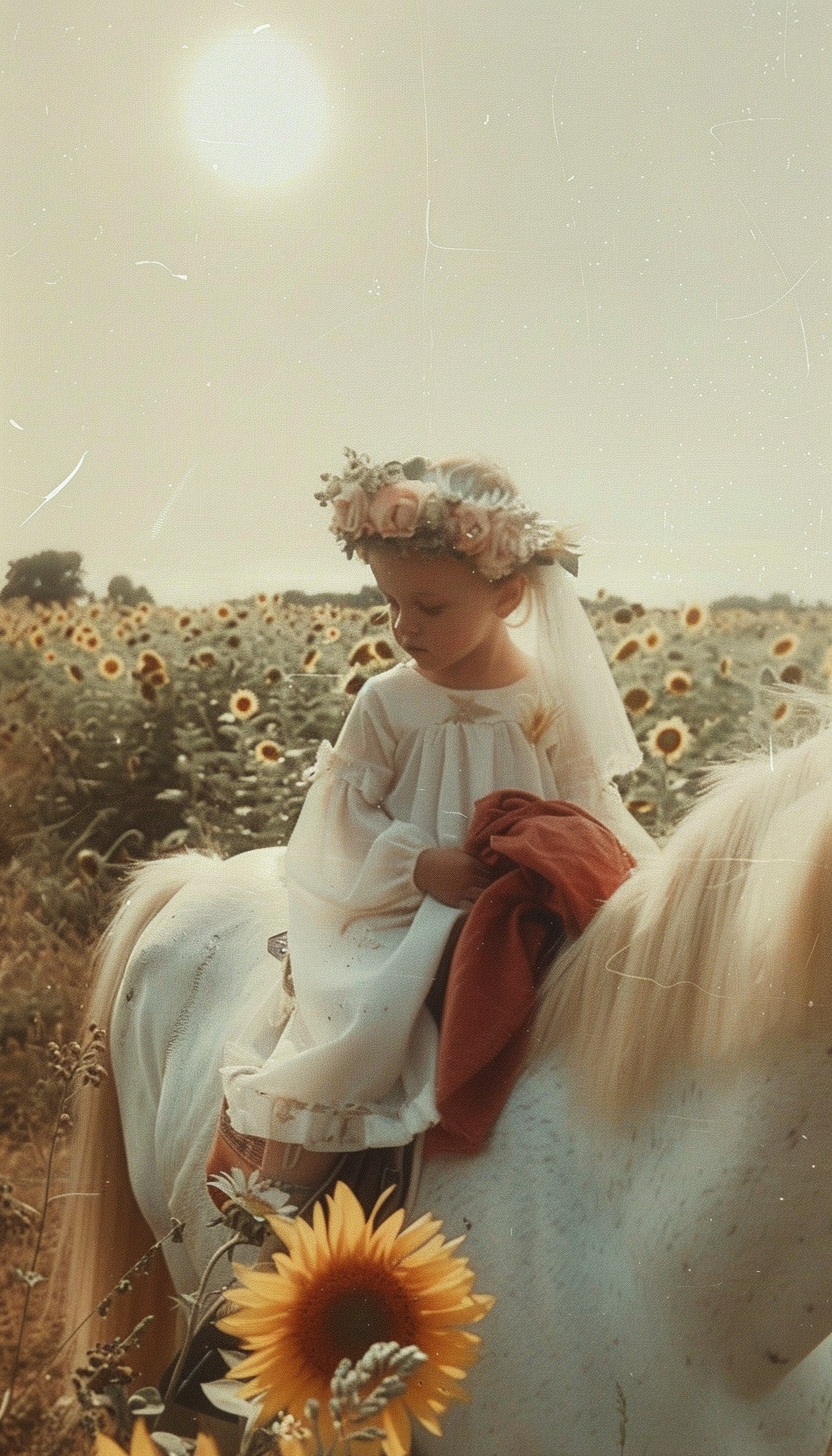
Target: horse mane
[[713, 947]]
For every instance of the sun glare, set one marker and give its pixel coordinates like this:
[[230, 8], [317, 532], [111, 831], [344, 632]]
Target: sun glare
[[256, 109]]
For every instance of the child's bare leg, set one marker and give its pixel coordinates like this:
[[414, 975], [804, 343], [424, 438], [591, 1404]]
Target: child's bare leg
[[292, 1163]]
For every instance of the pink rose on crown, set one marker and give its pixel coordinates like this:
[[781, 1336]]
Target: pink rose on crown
[[472, 528], [350, 511], [506, 547], [395, 509]]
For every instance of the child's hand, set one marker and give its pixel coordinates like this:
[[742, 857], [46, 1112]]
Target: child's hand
[[452, 876]]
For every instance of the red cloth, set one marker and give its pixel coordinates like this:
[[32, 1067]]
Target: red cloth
[[557, 863]]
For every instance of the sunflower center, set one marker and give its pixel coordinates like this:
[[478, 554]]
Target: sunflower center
[[668, 740], [351, 1308]]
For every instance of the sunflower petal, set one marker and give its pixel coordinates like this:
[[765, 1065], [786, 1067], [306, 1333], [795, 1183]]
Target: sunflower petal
[[398, 1434], [105, 1446], [347, 1225], [385, 1235]]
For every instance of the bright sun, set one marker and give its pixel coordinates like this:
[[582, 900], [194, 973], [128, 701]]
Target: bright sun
[[256, 109]]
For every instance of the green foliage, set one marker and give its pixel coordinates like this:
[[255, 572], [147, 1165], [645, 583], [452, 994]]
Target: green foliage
[[778, 601], [49, 576], [121, 734], [368, 596], [122, 591]]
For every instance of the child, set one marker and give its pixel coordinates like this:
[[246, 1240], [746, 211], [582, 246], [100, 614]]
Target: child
[[376, 876]]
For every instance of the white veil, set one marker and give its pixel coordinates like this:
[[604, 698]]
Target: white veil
[[595, 739]]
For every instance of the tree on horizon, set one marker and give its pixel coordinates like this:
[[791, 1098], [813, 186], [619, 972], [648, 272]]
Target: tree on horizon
[[48, 576]]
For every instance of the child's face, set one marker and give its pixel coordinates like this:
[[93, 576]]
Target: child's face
[[441, 611]]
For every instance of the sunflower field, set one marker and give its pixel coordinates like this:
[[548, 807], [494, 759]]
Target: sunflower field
[[131, 731]]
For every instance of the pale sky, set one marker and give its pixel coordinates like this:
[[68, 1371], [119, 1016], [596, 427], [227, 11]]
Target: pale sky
[[591, 241]]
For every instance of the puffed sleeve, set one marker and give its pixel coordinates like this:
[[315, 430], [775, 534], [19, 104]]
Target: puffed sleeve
[[347, 851]]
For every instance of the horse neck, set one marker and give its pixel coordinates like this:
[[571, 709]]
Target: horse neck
[[706, 951], [748, 1251]]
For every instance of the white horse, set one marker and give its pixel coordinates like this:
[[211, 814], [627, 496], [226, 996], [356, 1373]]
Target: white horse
[[654, 1208]]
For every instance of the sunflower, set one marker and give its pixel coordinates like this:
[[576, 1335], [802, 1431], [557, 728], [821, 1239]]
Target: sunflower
[[784, 645], [223, 612], [669, 739], [353, 684], [694, 616], [89, 863], [243, 704], [383, 650], [637, 700], [110, 666], [149, 662], [780, 712], [792, 673], [641, 807], [341, 1286], [363, 653], [625, 649], [332, 633], [725, 667], [142, 1445], [652, 640], [310, 661], [267, 751], [678, 682]]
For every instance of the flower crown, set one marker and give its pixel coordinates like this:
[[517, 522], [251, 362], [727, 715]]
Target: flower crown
[[408, 501]]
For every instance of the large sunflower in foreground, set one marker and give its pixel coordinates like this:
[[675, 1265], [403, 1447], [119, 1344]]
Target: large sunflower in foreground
[[343, 1285]]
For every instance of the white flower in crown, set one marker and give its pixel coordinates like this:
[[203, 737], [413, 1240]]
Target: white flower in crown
[[403, 501]]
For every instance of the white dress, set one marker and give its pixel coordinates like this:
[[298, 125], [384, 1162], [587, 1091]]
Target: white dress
[[355, 1064]]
